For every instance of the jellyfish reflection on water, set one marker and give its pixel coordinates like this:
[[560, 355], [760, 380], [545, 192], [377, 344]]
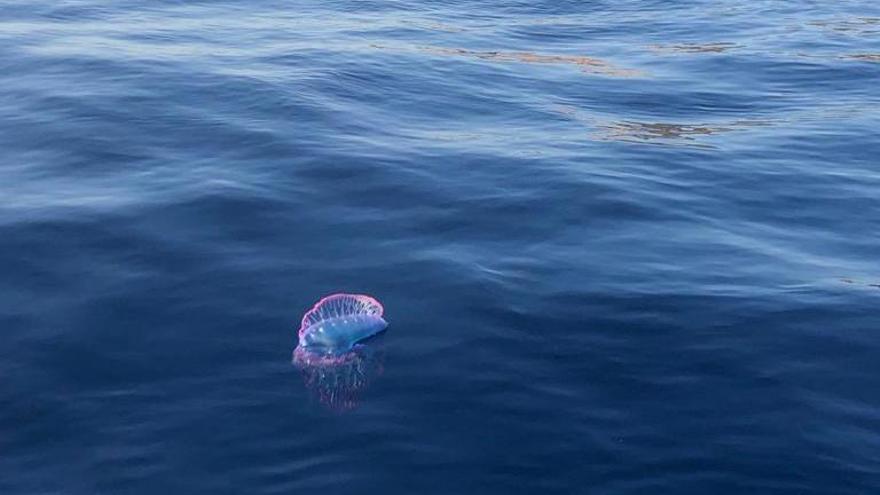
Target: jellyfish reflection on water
[[336, 363], [338, 382]]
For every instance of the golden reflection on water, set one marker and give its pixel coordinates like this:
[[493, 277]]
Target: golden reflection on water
[[717, 47], [668, 132], [658, 132], [586, 64], [853, 26], [647, 131], [865, 57], [435, 26]]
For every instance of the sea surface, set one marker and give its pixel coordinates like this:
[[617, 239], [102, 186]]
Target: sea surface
[[624, 247]]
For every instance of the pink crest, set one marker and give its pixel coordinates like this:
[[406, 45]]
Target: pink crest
[[339, 306]]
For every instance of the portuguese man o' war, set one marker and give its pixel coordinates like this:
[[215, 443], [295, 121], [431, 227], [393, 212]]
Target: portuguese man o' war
[[336, 323], [336, 365]]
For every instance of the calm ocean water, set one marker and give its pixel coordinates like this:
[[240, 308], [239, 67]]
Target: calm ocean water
[[625, 247]]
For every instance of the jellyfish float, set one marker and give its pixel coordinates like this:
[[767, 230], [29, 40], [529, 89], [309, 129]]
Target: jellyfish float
[[331, 354], [336, 323]]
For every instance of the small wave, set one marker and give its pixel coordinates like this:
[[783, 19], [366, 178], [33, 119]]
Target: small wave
[[860, 283]]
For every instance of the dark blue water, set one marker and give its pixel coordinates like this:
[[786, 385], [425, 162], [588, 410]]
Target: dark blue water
[[625, 247]]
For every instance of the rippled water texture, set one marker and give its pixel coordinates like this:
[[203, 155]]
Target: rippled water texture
[[624, 247]]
